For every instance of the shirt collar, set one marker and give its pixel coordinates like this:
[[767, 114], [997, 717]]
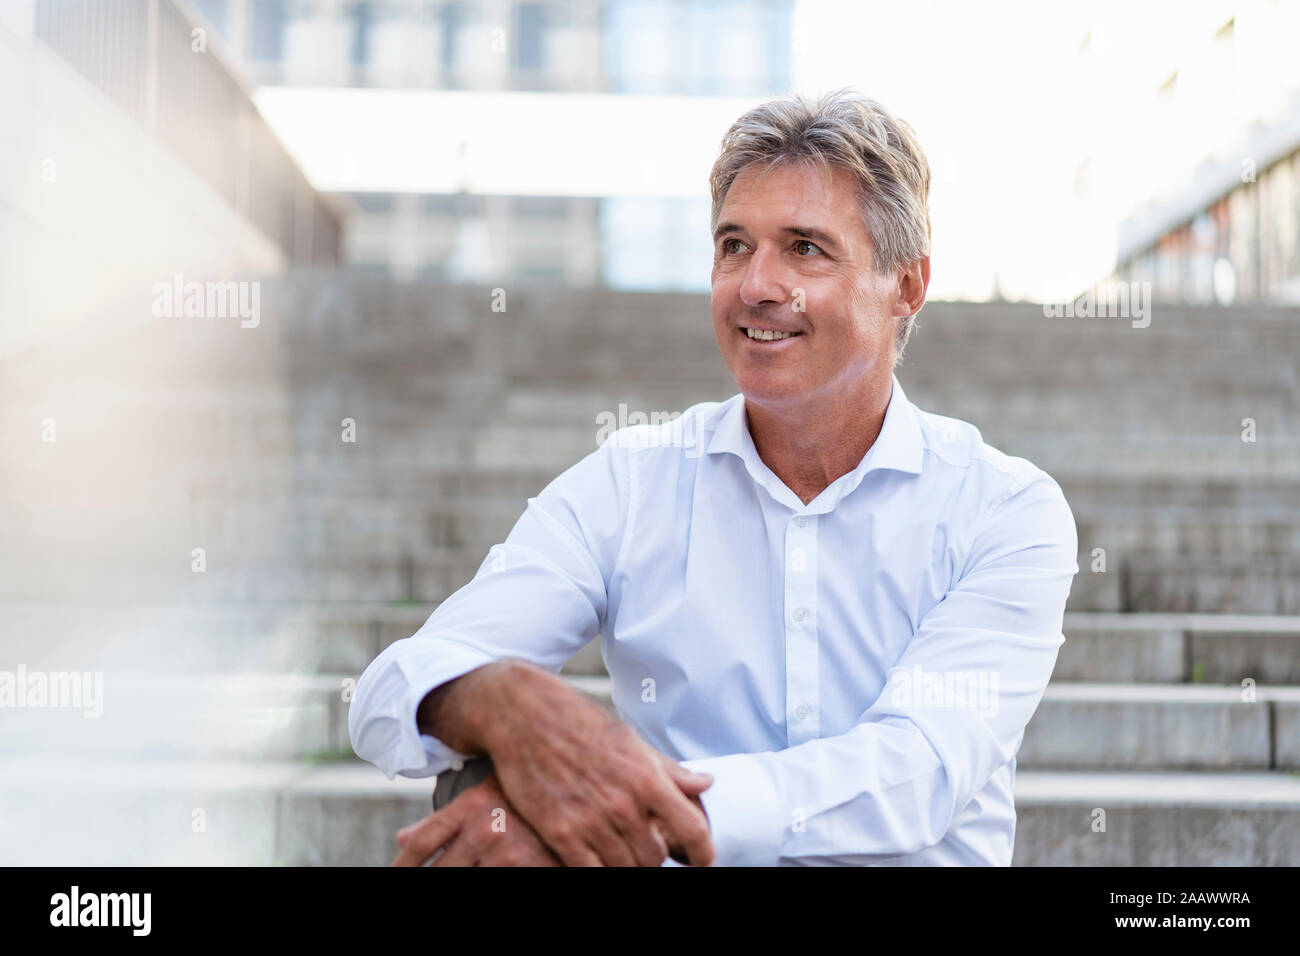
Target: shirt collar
[[898, 447]]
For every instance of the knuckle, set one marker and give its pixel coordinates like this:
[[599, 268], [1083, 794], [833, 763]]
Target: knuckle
[[573, 854], [625, 739], [625, 809], [419, 840], [518, 856], [562, 831], [642, 781], [471, 845]]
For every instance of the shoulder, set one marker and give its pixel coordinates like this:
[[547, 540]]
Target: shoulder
[[984, 476], [629, 445], [687, 432]]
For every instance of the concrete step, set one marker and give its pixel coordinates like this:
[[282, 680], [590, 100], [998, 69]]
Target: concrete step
[[1137, 456], [1197, 649], [1163, 582], [251, 715], [344, 637], [1164, 726], [98, 812], [369, 526], [1180, 648], [1144, 726], [386, 416], [233, 716], [570, 396], [235, 577], [161, 638], [1157, 819], [275, 571], [1029, 410], [313, 530], [1195, 583], [224, 716]]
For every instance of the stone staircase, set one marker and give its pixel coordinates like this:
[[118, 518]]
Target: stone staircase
[[223, 733]]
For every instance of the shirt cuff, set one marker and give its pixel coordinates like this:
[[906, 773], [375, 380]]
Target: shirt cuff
[[421, 754], [744, 810]]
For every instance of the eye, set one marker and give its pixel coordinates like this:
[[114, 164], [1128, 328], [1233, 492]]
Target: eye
[[726, 244], [805, 242]]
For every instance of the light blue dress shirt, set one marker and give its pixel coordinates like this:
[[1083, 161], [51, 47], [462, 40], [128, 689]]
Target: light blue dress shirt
[[856, 673]]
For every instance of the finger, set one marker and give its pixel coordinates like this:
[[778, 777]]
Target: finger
[[421, 841], [647, 843], [573, 852], [609, 843], [526, 849], [542, 854], [593, 837], [593, 858], [538, 858], [686, 825], [459, 853], [548, 858]]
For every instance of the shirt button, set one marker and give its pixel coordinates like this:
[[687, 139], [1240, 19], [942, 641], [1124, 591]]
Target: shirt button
[[801, 522], [802, 711], [799, 614], [457, 764]]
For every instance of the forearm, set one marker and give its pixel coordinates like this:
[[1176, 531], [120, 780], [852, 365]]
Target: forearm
[[879, 790], [460, 711]]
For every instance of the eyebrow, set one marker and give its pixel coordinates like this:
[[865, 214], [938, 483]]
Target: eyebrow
[[803, 232]]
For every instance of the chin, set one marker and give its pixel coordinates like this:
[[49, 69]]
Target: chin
[[765, 388]]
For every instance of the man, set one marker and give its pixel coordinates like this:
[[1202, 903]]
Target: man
[[827, 615]]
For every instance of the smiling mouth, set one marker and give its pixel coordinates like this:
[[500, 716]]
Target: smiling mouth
[[768, 335]]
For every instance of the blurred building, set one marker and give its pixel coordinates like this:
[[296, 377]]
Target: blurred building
[[418, 59], [1222, 128], [130, 151]]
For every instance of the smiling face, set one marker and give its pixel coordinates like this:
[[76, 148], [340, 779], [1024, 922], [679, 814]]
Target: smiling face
[[792, 254]]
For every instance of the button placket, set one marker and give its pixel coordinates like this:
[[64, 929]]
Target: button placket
[[801, 644]]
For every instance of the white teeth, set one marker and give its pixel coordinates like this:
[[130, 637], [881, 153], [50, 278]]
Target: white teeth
[[763, 335]]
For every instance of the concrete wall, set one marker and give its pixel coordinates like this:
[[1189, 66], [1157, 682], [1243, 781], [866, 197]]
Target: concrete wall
[[93, 211]]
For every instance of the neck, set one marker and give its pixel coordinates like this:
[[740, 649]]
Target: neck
[[810, 444]]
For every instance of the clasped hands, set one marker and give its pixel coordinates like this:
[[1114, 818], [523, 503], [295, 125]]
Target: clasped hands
[[572, 785]]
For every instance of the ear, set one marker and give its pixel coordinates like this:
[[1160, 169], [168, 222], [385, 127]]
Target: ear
[[913, 280]]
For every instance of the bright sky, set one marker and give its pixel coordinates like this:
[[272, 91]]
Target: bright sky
[[1008, 107]]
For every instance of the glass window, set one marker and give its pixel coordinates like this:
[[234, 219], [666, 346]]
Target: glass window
[[266, 30], [362, 17], [373, 202], [539, 207], [452, 18], [214, 11], [529, 34]]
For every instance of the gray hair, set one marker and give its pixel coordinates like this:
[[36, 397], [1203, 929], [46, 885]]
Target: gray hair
[[846, 129]]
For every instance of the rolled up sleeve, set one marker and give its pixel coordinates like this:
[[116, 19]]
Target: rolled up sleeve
[[541, 595]]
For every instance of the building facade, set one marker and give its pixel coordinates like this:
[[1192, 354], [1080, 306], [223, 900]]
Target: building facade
[[597, 48]]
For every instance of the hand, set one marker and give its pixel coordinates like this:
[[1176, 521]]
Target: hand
[[478, 828], [595, 792], [675, 851]]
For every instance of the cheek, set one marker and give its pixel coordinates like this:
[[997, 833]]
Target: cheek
[[723, 289], [725, 301], [846, 329], [720, 312]]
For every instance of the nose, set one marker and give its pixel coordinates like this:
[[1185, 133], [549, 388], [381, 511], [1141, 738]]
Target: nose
[[763, 278]]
